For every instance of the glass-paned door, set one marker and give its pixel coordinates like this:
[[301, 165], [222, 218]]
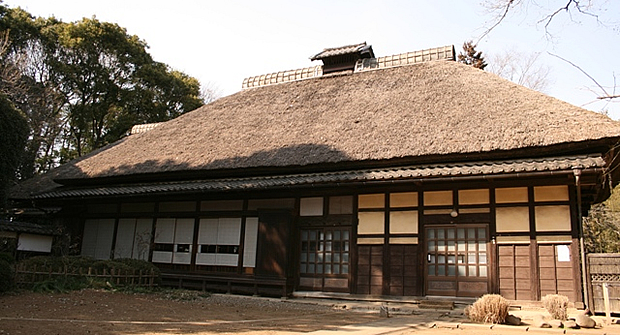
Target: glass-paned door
[[457, 260], [324, 258]]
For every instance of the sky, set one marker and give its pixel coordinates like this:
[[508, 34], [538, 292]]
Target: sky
[[222, 42]]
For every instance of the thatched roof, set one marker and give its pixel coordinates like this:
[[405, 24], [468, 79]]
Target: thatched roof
[[422, 112]]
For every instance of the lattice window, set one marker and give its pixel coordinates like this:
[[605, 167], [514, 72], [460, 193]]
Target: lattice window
[[605, 277], [324, 251]]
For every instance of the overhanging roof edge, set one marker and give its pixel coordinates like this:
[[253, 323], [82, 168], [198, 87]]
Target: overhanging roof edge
[[480, 170]]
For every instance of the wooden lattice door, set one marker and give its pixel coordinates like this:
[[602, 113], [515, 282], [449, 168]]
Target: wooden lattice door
[[457, 262]]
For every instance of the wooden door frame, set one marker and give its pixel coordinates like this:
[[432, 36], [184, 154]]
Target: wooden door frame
[[489, 255]]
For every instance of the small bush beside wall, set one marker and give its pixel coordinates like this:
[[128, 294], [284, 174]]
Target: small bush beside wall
[[6, 272], [490, 308], [556, 305], [6, 276], [61, 274]]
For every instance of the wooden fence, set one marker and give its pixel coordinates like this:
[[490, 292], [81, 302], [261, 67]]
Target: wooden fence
[[26, 276], [604, 280]]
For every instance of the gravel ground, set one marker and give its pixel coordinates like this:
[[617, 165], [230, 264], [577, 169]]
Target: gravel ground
[[169, 312], [191, 312]]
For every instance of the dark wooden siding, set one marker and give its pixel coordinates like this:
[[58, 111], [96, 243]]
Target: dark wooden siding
[[273, 240], [403, 270], [404, 278], [515, 272], [370, 269], [556, 277]]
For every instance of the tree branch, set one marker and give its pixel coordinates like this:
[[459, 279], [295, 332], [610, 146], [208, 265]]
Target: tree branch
[[579, 7], [609, 97], [501, 18], [505, 6], [606, 96]]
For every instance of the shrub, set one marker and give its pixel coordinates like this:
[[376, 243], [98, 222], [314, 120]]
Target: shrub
[[556, 305], [80, 265], [60, 284], [6, 276], [138, 264], [490, 308], [7, 257], [72, 262]]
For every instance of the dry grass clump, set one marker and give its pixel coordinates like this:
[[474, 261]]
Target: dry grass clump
[[490, 308], [556, 305]]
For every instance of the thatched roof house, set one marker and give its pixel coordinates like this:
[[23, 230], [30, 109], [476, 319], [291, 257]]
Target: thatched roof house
[[423, 113], [413, 118]]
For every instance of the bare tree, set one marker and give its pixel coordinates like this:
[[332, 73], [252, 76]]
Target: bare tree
[[210, 92], [521, 68], [32, 91], [9, 72], [500, 9]]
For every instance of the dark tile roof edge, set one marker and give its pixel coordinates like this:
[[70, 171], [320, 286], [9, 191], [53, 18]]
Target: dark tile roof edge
[[26, 227], [428, 172], [346, 49]]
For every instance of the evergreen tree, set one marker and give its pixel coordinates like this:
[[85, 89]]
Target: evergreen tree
[[601, 228], [82, 85], [13, 135], [470, 56]]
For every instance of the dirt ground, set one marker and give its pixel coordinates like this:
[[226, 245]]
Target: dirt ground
[[190, 312], [107, 312]]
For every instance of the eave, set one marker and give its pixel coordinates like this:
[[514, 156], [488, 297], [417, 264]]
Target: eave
[[481, 170]]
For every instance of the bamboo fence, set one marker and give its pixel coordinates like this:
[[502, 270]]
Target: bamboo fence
[[25, 276]]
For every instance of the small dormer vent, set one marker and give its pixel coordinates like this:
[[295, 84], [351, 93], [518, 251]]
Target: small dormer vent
[[350, 59], [343, 58], [143, 128]]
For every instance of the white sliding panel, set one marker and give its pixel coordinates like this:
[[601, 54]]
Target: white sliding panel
[[97, 238], [34, 242], [164, 234], [218, 241], [142, 239], [229, 231], [124, 238], [207, 233], [89, 237], [250, 242], [164, 231], [105, 235], [183, 239], [228, 235], [207, 236]]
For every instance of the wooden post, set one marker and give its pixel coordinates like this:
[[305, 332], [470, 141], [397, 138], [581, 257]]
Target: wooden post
[[606, 300]]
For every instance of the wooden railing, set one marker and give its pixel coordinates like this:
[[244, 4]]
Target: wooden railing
[[228, 284], [25, 276]]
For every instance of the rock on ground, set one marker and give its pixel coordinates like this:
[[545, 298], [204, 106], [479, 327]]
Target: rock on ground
[[540, 322], [570, 324], [513, 320], [585, 321], [555, 323]]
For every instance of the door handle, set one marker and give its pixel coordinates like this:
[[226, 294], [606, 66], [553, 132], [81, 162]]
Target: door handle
[[428, 257]]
